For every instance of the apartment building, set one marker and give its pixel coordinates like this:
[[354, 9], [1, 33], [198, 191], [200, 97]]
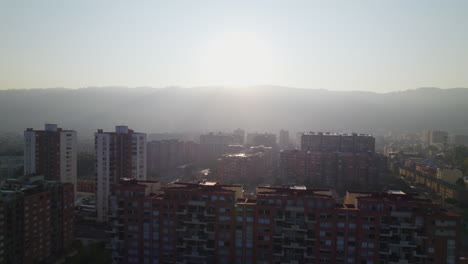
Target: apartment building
[[11, 166], [163, 155], [346, 142], [209, 222], [36, 219], [119, 154], [336, 170], [284, 141], [212, 146], [51, 152]]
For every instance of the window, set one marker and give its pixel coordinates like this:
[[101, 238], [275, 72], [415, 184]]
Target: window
[[224, 218]]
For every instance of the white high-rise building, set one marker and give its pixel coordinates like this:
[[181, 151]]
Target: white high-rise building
[[119, 154], [52, 153]]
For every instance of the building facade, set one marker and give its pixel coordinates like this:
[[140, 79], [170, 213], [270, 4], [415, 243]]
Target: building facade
[[437, 137], [244, 168], [336, 170], [212, 146], [208, 222], [312, 141], [36, 219], [11, 166], [119, 154], [239, 136], [164, 155], [51, 152], [284, 142]]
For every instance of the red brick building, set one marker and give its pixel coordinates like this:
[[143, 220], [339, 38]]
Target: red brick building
[[87, 186], [210, 222], [51, 152], [37, 219], [345, 142], [336, 170]]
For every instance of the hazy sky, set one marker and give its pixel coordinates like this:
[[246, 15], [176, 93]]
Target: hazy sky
[[337, 45]]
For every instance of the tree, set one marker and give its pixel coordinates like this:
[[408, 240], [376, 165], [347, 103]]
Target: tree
[[465, 166], [461, 182], [459, 156], [451, 201]]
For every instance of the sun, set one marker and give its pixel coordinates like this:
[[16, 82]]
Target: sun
[[237, 58]]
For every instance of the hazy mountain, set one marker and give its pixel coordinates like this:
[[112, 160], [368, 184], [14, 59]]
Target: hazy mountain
[[225, 108]]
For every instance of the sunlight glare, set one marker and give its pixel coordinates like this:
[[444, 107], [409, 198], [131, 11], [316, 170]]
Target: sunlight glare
[[237, 58]]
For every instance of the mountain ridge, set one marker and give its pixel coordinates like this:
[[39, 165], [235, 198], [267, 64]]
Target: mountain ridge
[[263, 108]]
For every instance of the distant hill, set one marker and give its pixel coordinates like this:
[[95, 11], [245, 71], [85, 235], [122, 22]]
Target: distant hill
[[224, 108]]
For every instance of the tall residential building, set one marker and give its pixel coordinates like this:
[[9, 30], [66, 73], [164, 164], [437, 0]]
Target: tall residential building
[[52, 153], [164, 155], [284, 142], [36, 220], [208, 222], [265, 139], [119, 154], [213, 145], [460, 140], [243, 168], [337, 142], [11, 166], [437, 137], [336, 170], [239, 136]]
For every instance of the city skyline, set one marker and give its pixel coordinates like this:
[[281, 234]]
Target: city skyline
[[337, 45]]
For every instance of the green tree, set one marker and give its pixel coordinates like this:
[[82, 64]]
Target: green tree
[[459, 156], [451, 201], [461, 182], [465, 166], [95, 253]]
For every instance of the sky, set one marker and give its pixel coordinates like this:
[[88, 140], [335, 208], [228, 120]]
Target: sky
[[378, 46]]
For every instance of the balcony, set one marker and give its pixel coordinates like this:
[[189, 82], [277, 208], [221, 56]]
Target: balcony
[[420, 235], [279, 218], [385, 251], [293, 245], [195, 237], [208, 247], [183, 245], [194, 254], [294, 227], [181, 212], [195, 221], [278, 236], [197, 203], [208, 230], [402, 244], [403, 225], [419, 254], [386, 233], [401, 214], [209, 214], [295, 208]]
